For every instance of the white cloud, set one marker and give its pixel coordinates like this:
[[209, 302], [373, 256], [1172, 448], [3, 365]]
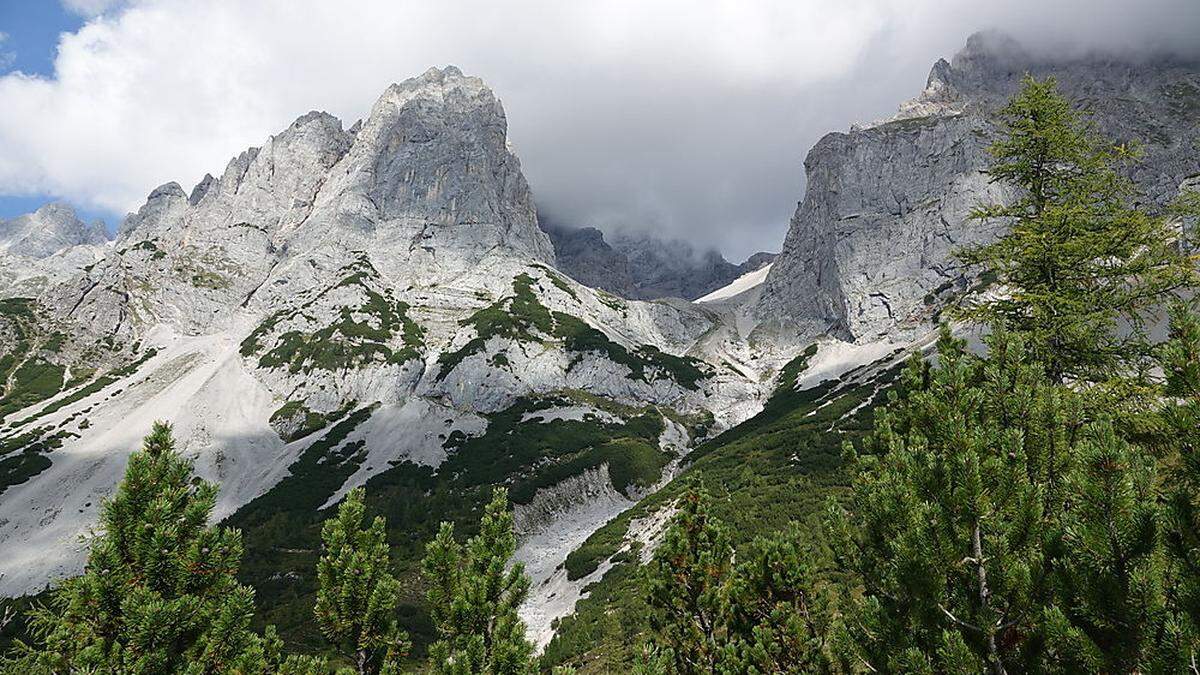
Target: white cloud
[[90, 7], [6, 56], [688, 115]]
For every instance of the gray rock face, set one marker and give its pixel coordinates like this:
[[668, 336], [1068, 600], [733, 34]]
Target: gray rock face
[[871, 247], [427, 184], [642, 266], [587, 258], [49, 230]]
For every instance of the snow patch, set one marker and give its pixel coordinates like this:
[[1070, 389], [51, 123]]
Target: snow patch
[[835, 358], [738, 286]]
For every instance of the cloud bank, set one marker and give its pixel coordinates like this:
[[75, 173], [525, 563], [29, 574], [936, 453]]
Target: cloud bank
[[687, 117]]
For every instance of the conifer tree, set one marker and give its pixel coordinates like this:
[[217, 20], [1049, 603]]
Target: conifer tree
[[1077, 256], [357, 595], [159, 592], [1110, 604], [950, 520], [780, 617], [685, 585], [766, 614], [474, 595]]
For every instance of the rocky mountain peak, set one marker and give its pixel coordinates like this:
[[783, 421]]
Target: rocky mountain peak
[[52, 228], [430, 169], [991, 51], [162, 208], [201, 189], [871, 249], [426, 183]]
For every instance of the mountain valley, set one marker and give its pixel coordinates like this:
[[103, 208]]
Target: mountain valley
[[381, 306]]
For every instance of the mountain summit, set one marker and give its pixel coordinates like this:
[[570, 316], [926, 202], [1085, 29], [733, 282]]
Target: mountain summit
[[49, 230], [870, 249]]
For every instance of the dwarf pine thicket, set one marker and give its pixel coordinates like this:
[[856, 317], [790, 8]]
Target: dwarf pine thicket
[[1031, 508]]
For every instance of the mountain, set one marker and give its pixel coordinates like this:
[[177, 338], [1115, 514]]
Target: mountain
[[41, 248], [380, 306], [49, 230], [374, 305], [640, 266], [871, 247]]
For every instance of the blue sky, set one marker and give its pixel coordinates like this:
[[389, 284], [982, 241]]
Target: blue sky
[[31, 29]]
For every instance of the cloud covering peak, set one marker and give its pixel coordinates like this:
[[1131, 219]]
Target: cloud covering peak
[[690, 118]]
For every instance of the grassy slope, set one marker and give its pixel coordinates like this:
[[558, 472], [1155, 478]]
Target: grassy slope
[[779, 466]]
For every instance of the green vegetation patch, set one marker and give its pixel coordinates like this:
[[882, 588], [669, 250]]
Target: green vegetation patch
[[632, 462], [558, 281], [359, 336], [149, 245], [24, 456], [91, 387], [208, 279], [517, 317], [35, 379], [522, 318], [293, 420], [780, 465]]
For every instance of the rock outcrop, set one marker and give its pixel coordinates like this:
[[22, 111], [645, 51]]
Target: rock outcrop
[[641, 266], [871, 247]]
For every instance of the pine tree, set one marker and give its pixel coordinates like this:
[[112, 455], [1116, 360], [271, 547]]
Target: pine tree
[[474, 595], [951, 517], [1110, 609], [766, 614], [159, 592], [780, 617], [685, 585], [357, 595], [1180, 358], [1077, 256]]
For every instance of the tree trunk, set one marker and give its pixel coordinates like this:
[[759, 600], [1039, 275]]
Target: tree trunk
[[989, 630], [360, 658]]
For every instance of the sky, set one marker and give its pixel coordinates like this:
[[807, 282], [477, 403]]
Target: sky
[[686, 118]]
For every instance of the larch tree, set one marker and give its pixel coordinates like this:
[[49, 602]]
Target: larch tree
[[1081, 269], [357, 593]]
